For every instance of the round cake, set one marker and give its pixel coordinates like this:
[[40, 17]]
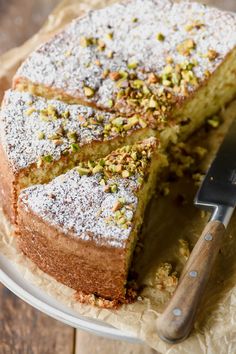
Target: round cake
[[86, 127]]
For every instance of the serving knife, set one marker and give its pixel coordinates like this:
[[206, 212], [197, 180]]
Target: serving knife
[[218, 195]]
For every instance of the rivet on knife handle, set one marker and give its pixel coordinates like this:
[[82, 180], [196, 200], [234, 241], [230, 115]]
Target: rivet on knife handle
[[176, 322]]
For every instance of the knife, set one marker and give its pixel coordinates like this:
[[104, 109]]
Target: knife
[[218, 195]]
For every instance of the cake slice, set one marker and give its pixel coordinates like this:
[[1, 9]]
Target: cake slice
[[82, 227], [173, 62], [40, 139]]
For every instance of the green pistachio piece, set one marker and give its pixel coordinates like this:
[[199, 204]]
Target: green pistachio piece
[[41, 135], [88, 91], [83, 171], [97, 168], [125, 174], [110, 103], [74, 147], [47, 158], [132, 65], [160, 37]]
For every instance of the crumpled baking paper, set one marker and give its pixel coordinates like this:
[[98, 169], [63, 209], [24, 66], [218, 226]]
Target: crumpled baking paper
[[166, 222]]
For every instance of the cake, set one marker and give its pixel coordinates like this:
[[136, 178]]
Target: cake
[[173, 62], [41, 139], [111, 84], [82, 227]]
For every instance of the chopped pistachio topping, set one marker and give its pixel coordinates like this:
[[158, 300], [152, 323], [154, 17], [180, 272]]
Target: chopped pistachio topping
[[97, 168], [110, 54], [72, 136], [169, 59], [212, 54], [47, 158], [41, 135], [153, 102], [85, 42], [142, 123], [110, 103], [113, 188], [125, 174], [30, 110], [58, 142], [65, 114], [101, 45], [115, 76], [39, 162], [117, 206], [105, 73], [124, 162], [160, 37], [120, 216], [185, 48], [152, 78], [83, 171], [138, 83], [53, 136], [68, 53], [74, 147], [109, 35], [179, 76], [49, 114], [194, 25], [119, 125], [88, 91], [137, 93], [98, 63], [132, 65], [214, 121]]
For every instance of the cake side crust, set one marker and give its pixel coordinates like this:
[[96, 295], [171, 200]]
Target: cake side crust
[[83, 266], [8, 181]]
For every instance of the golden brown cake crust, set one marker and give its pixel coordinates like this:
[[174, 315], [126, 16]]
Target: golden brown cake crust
[[79, 265], [8, 180]]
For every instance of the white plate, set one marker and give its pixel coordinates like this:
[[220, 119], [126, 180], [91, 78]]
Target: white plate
[[12, 279]]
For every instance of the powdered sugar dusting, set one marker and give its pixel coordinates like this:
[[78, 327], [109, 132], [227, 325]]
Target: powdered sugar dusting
[[66, 65], [19, 131], [79, 204]]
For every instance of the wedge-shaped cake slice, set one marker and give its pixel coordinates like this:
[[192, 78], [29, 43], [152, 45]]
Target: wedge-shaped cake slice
[[41, 139], [171, 61], [82, 227]]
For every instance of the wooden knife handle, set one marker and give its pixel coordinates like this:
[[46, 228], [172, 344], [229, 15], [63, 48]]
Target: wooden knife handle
[[177, 320]]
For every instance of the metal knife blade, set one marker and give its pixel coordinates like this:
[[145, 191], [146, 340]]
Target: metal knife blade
[[218, 189]]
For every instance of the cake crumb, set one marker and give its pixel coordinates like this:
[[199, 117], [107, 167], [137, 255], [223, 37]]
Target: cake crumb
[[203, 213], [185, 158], [165, 278], [214, 122], [184, 249], [164, 189], [98, 301]]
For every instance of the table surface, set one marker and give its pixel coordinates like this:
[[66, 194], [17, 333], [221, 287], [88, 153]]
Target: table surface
[[22, 328]]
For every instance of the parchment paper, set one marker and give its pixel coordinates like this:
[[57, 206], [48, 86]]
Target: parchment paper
[[166, 222]]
